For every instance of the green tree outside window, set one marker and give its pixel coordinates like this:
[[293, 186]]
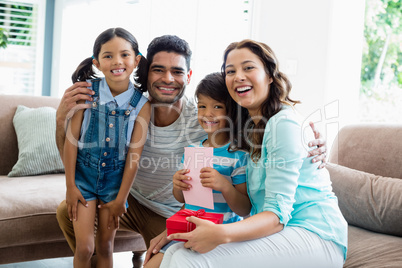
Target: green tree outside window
[[3, 38], [381, 73]]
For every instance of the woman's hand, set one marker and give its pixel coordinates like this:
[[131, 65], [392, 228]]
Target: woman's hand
[[116, 210], [204, 238], [211, 178], [321, 151], [73, 196]]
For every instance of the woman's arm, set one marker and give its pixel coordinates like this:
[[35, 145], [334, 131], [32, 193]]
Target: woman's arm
[[138, 137], [208, 235], [281, 165]]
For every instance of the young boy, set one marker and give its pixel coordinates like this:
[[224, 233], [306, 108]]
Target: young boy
[[227, 178]]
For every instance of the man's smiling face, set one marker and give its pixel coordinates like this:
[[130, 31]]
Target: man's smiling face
[[167, 77]]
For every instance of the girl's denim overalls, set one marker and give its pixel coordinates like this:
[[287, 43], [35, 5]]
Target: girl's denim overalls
[[101, 159]]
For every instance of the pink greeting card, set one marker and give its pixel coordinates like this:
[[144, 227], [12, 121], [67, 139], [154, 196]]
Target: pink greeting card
[[195, 158]]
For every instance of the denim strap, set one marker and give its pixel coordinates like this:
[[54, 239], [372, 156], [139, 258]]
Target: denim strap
[[135, 98]]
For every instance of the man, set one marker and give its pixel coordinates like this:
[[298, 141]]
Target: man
[[173, 126]]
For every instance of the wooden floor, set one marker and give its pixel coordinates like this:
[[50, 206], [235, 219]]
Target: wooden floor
[[120, 260]]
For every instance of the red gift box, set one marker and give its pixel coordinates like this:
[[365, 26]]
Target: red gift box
[[178, 223]]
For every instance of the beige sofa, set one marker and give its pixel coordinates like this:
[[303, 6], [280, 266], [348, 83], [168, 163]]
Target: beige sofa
[[28, 225], [365, 167], [366, 173]]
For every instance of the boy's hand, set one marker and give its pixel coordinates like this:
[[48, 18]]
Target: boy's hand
[[116, 210], [179, 179], [211, 178]]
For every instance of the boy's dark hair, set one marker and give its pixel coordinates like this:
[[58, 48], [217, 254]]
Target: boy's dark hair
[[169, 43], [85, 71], [213, 86]]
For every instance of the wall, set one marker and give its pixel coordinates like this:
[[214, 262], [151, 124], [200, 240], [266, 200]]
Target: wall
[[317, 42], [207, 25], [319, 45]]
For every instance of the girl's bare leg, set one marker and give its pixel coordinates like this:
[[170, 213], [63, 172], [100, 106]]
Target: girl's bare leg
[[154, 261], [104, 240], [84, 234]]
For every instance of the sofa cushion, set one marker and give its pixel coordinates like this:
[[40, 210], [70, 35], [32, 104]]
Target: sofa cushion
[[367, 200], [28, 215], [26, 204], [38, 154]]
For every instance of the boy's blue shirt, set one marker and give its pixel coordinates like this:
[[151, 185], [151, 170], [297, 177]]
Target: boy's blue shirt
[[232, 165]]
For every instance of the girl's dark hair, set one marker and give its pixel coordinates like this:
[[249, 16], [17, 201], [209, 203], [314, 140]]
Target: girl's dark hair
[[85, 71], [278, 94]]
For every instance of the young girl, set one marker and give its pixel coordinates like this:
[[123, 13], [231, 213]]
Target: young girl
[[295, 219], [101, 166], [227, 178]]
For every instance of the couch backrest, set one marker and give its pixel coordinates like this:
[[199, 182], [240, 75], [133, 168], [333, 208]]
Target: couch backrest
[[373, 148], [8, 141]]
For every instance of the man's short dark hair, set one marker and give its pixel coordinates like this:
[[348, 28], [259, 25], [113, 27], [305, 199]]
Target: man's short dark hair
[[169, 43]]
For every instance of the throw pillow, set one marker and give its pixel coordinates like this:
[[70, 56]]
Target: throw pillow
[[38, 154], [368, 201]]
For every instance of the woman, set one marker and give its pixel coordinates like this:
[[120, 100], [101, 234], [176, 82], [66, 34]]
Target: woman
[[295, 219]]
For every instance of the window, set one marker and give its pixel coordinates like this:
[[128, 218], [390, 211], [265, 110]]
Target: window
[[381, 74], [21, 61]]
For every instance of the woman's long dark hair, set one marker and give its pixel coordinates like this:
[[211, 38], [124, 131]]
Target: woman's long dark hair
[[85, 71], [278, 94]]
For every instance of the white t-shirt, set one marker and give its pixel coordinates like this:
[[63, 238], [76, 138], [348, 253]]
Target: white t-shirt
[[161, 158]]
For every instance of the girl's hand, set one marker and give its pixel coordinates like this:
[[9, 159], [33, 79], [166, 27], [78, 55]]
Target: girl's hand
[[179, 179], [73, 196], [116, 210], [204, 238], [211, 178]]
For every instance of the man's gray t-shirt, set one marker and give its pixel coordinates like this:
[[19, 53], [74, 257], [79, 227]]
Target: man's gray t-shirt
[[161, 159]]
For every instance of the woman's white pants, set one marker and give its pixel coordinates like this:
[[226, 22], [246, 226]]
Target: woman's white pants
[[293, 247]]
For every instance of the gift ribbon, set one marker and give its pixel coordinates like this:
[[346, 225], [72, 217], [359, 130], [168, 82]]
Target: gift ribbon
[[189, 212]]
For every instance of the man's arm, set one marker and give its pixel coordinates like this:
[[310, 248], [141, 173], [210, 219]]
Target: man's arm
[[320, 152], [67, 107]]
